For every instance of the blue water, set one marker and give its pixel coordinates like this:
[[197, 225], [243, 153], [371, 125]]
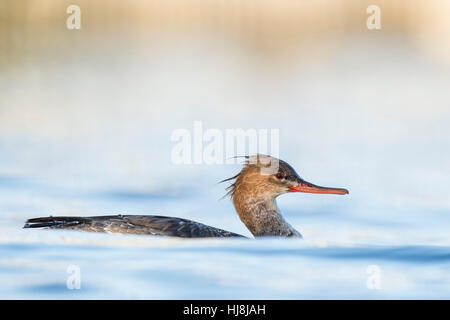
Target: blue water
[[224, 269], [328, 263], [263, 269]]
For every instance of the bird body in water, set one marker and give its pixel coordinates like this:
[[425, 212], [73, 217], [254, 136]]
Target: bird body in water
[[254, 191]]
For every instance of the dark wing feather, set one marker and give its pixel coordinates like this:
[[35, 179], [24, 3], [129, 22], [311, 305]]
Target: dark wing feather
[[132, 224]]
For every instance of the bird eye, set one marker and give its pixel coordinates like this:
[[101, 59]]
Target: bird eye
[[279, 175]]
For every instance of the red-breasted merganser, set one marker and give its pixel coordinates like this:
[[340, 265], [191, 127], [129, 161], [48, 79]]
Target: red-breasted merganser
[[253, 193]]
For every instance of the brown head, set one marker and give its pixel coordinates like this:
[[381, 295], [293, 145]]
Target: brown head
[[262, 179]]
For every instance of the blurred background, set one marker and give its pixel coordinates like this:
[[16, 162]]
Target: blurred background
[[86, 116]]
